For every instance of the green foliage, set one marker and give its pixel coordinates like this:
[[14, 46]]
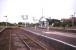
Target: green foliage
[[4, 24], [67, 24], [20, 23], [75, 23], [57, 24]]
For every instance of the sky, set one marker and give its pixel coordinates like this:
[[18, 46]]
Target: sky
[[56, 9]]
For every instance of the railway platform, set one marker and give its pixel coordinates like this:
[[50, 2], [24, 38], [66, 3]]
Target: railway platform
[[62, 37]]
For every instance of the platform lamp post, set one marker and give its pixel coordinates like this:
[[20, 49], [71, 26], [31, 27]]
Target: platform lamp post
[[6, 20], [24, 17], [73, 19]]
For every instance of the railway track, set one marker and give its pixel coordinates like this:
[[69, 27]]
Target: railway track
[[29, 43], [5, 39], [16, 39]]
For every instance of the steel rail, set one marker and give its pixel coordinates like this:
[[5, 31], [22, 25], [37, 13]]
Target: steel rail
[[36, 42], [28, 47], [10, 40]]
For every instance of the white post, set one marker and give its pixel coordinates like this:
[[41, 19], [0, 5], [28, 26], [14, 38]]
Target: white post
[[6, 20], [47, 26]]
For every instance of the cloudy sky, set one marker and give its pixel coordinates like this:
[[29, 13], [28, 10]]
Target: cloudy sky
[[57, 9]]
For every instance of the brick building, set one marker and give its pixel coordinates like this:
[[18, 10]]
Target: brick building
[[71, 19]]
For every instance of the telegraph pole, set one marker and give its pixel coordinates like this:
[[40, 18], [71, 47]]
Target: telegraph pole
[[42, 12]]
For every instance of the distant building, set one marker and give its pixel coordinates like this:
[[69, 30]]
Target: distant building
[[71, 19], [53, 22], [43, 23]]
